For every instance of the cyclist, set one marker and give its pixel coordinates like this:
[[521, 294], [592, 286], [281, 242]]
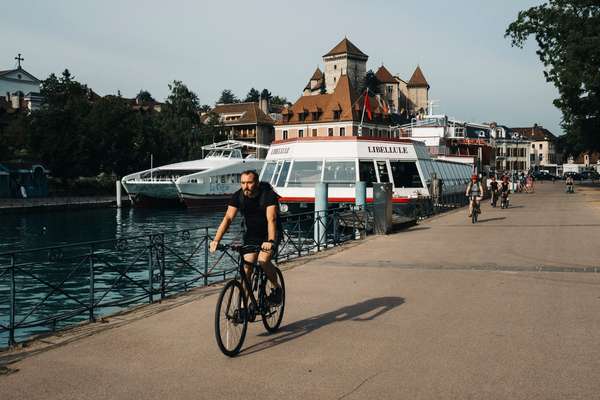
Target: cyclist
[[569, 184], [258, 203], [474, 191], [494, 191], [505, 188]]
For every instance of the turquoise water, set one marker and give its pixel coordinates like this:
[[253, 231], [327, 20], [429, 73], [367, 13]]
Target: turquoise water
[[121, 272]]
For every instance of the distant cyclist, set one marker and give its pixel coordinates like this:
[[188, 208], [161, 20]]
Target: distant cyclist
[[474, 193], [259, 205], [494, 191]]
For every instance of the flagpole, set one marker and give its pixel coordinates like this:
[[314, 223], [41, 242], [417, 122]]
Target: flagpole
[[362, 117]]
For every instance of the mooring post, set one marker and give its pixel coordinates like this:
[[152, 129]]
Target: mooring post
[[360, 201], [321, 199], [13, 305], [118, 185]]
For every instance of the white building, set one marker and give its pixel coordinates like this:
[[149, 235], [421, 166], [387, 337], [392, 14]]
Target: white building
[[20, 87]]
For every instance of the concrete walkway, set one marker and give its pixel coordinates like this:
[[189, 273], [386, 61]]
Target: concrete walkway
[[446, 310]]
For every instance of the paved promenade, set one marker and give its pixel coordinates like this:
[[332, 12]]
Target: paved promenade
[[445, 310]]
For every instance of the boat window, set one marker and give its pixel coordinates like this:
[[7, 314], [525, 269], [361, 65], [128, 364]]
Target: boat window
[[305, 173], [366, 170], [384, 177], [405, 174], [285, 167], [340, 173], [268, 171]]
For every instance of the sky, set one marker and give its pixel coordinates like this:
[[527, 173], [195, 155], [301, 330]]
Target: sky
[[474, 73]]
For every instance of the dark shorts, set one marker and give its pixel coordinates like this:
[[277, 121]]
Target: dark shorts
[[257, 241]]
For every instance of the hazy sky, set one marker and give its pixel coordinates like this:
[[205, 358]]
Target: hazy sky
[[132, 45]]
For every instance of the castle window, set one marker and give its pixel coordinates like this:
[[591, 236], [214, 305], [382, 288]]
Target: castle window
[[334, 79], [301, 133], [330, 132], [342, 131], [334, 66], [336, 114], [285, 134], [315, 116], [314, 132]]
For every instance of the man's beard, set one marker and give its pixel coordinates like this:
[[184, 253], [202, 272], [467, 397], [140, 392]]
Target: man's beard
[[248, 193]]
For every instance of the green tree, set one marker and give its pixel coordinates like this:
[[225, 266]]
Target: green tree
[[227, 97], [253, 95], [265, 94], [567, 33], [144, 96], [371, 83], [280, 101]]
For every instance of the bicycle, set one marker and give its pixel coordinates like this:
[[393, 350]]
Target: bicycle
[[504, 200], [233, 312], [474, 209]]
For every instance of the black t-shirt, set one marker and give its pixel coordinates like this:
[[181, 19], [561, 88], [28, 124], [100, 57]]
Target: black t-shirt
[[255, 216], [494, 185], [504, 187]]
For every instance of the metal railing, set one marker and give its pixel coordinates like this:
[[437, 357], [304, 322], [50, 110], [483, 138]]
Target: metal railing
[[50, 288]]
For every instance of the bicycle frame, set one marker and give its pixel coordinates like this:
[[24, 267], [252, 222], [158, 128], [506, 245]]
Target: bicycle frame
[[260, 278]]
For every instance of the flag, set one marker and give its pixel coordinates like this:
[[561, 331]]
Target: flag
[[367, 105]]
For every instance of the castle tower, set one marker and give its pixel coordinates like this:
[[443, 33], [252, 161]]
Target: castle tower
[[418, 92], [345, 59]]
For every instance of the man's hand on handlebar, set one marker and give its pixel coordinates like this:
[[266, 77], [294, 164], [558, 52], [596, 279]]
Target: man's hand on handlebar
[[267, 247]]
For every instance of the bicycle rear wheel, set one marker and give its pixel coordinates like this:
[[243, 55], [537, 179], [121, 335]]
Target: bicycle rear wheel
[[230, 322], [273, 315]]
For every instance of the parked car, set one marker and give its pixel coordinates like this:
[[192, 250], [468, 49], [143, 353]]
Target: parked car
[[587, 175], [544, 176], [575, 175]]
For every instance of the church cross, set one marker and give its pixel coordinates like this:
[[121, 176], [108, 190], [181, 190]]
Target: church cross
[[19, 59]]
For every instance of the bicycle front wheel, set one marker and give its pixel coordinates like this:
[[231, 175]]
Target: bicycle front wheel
[[273, 314], [231, 322]]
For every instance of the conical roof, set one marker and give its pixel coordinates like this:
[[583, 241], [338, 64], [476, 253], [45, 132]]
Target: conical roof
[[384, 76], [318, 75], [346, 47], [418, 79]]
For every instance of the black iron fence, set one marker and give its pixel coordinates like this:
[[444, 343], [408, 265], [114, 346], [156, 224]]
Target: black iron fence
[[45, 289]]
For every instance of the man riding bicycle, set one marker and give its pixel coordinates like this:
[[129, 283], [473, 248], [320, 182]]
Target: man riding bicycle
[[474, 193], [258, 203]]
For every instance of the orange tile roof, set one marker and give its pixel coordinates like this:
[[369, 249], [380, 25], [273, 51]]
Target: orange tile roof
[[384, 76], [535, 132], [418, 79], [252, 114], [343, 100], [346, 47]]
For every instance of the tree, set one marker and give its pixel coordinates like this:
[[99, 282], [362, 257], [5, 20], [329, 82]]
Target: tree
[[371, 82], [204, 108], [227, 97], [567, 33], [144, 96], [252, 96], [279, 101], [265, 94]]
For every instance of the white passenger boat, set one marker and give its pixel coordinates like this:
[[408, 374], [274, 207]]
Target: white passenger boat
[[211, 178], [294, 166], [218, 183]]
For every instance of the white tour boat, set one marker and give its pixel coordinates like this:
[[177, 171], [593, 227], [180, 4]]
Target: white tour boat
[[217, 184], [209, 178], [294, 166]]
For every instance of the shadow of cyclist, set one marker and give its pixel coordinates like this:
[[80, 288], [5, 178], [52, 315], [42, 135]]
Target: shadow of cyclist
[[364, 311]]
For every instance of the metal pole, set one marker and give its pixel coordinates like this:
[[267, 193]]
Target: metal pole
[[91, 298], [150, 271], [321, 198], [162, 267], [206, 256], [360, 200], [13, 305]]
